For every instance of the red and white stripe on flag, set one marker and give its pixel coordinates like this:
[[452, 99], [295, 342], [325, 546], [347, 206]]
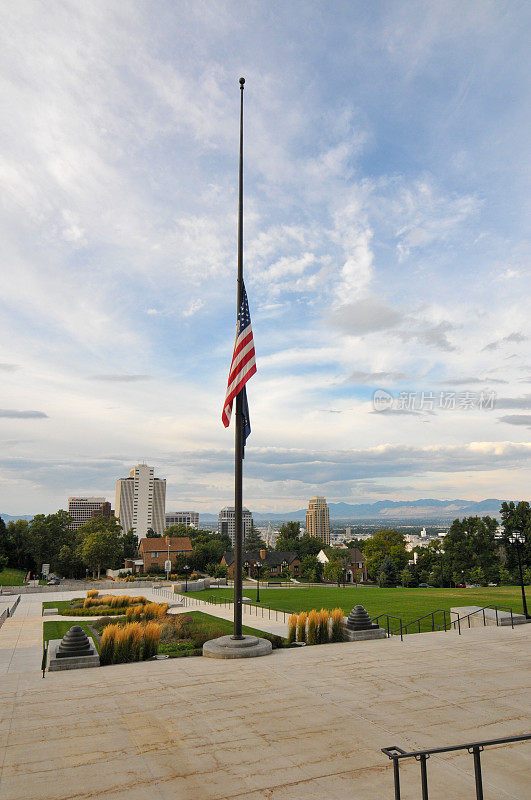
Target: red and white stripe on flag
[[243, 367]]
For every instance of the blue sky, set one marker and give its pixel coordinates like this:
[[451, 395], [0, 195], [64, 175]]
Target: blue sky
[[386, 182]]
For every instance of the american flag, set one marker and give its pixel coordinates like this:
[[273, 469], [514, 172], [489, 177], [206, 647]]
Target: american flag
[[242, 367]]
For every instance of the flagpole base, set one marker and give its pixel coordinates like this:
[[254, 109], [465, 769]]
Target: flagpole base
[[227, 647]]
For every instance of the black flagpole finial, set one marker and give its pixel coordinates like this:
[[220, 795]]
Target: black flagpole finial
[[242, 81]]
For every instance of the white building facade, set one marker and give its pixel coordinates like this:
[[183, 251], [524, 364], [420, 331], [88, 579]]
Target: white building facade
[[188, 518], [81, 509], [227, 521], [141, 501]]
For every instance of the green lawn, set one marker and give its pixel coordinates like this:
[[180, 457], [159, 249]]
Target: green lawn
[[205, 627], [58, 604], [56, 630], [12, 577], [408, 604]]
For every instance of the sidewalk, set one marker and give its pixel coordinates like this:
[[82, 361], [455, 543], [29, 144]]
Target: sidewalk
[[21, 634]]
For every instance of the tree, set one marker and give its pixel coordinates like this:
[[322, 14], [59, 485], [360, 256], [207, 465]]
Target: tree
[[130, 544], [18, 546], [286, 544], [388, 575], [69, 563], [152, 535], [46, 535], [308, 546], [386, 543], [253, 541], [333, 571], [101, 544], [470, 544], [308, 566], [516, 519], [290, 530], [408, 576]]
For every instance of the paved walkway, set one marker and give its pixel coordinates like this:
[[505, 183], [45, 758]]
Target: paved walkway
[[21, 635], [300, 724]]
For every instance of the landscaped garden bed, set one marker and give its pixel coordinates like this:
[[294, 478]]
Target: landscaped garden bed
[[183, 634], [108, 605]]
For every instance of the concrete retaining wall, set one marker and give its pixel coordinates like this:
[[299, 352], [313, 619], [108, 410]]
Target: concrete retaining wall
[[79, 586], [8, 607]]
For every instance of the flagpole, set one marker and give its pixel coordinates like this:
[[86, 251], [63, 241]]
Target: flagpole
[[238, 443]]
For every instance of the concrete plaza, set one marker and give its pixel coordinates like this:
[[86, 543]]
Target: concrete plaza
[[301, 724]]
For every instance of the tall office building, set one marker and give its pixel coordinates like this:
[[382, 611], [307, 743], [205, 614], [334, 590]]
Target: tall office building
[[188, 518], [227, 521], [318, 519], [81, 509], [141, 501]]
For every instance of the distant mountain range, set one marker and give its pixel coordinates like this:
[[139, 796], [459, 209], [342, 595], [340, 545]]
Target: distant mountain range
[[10, 518], [421, 510]]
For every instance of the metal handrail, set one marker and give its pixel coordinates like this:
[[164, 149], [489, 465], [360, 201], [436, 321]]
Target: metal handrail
[[474, 748], [482, 610], [390, 632]]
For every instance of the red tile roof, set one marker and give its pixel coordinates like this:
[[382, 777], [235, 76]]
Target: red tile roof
[[156, 544]]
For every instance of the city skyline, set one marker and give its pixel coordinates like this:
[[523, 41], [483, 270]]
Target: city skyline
[[385, 249]]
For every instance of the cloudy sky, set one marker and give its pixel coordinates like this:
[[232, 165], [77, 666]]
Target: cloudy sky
[[385, 248]]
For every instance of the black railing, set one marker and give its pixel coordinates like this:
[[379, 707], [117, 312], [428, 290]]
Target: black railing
[[389, 631], [457, 622], [474, 748], [44, 658], [448, 622]]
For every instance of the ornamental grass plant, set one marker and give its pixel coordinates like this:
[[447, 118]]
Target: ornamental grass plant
[[301, 626], [324, 633], [338, 633], [313, 621], [150, 642], [108, 641], [292, 628]]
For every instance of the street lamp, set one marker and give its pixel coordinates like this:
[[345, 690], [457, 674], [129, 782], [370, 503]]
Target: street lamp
[[258, 567], [246, 566], [518, 540], [441, 551], [284, 565], [186, 570]]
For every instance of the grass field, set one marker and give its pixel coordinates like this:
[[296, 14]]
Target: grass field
[[58, 604], [408, 604], [12, 577], [56, 630], [205, 627]]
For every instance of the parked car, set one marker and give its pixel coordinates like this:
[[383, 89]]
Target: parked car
[[425, 586], [53, 582]]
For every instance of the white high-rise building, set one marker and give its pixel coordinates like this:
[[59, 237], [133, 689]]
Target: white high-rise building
[[227, 521], [141, 501], [81, 509]]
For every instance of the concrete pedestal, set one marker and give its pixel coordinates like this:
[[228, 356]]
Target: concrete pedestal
[[227, 647], [75, 662], [359, 636]]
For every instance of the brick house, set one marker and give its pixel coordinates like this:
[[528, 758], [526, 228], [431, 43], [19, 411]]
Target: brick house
[[354, 563], [275, 560], [154, 552]]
